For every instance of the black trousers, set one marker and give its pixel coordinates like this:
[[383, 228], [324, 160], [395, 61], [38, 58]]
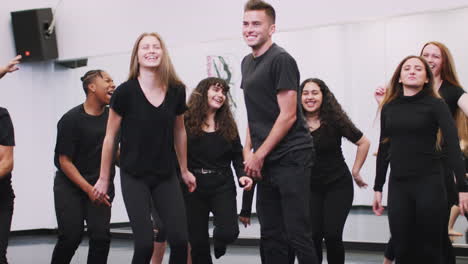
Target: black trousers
[[329, 207], [6, 214], [219, 200], [283, 208], [169, 204], [452, 199], [416, 212], [73, 208]]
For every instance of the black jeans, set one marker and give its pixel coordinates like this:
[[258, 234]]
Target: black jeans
[[221, 201], [329, 207], [73, 208], [417, 208], [283, 198], [169, 204], [6, 213]]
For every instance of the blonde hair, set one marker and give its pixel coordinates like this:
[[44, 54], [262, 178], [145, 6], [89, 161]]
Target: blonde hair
[[166, 71]]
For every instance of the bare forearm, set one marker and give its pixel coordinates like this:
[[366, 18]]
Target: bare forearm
[[6, 166], [72, 173], [106, 157], [180, 145], [280, 129], [361, 153]]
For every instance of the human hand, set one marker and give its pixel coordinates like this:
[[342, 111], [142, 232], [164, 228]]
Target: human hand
[[246, 182]]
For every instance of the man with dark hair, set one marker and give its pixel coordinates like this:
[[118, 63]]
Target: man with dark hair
[[7, 143], [80, 135], [282, 146]]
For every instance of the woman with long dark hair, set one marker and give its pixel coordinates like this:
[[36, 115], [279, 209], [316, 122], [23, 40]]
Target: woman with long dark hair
[[213, 145], [332, 181], [447, 85], [411, 115], [149, 111]]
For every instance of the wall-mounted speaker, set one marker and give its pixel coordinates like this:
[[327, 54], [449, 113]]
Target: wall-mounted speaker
[[32, 39]]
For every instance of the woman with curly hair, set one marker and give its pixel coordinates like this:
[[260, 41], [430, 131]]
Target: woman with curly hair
[[331, 182], [213, 144]]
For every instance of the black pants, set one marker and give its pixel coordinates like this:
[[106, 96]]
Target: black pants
[[452, 199], [169, 204], [329, 207], [73, 208], [283, 208], [221, 201], [6, 213], [416, 212]]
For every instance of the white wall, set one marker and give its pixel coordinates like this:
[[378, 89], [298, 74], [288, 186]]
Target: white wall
[[352, 45]]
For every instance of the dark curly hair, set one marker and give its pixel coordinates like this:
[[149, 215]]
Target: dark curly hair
[[198, 108], [331, 112]]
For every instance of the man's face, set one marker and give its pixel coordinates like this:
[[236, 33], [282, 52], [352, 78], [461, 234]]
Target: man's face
[[257, 28]]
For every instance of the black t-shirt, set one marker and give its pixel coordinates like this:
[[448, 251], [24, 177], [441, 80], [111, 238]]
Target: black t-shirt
[[451, 95], [80, 137], [411, 124], [7, 138], [147, 132], [262, 78], [330, 164], [212, 151]]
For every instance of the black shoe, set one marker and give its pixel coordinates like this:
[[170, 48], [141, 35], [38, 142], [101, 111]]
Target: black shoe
[[219, 250]]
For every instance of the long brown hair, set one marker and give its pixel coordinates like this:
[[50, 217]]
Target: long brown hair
[[396, 88], [198, 109], [448, 72], [462, 127], [166, 71]]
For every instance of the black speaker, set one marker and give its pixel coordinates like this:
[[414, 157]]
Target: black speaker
[[31, 38]]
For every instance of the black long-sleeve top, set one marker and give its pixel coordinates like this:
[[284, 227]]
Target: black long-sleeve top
[[212, 151], [410, 125]]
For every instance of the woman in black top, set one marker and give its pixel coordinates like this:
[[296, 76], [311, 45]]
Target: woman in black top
[[411, 115], [446, 83], [7, 143], [148, 109], [331, 181], [213, 144], [80, 134]]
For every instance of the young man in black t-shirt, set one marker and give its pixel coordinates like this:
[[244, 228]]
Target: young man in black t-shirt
[[80, 135], [282, 146], [7, 142]]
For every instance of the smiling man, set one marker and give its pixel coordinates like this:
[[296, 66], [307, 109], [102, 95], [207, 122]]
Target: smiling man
[[279, 149]]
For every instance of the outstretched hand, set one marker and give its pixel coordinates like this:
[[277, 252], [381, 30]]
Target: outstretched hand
[[11, 66]]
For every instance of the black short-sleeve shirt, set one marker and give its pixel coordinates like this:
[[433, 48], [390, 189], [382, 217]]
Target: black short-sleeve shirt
[[80, 137], [7, 138], [262, 78], [147, 132], [451, 95], [330, 164]]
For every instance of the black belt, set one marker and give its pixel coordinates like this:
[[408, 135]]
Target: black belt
[[206, 171]]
